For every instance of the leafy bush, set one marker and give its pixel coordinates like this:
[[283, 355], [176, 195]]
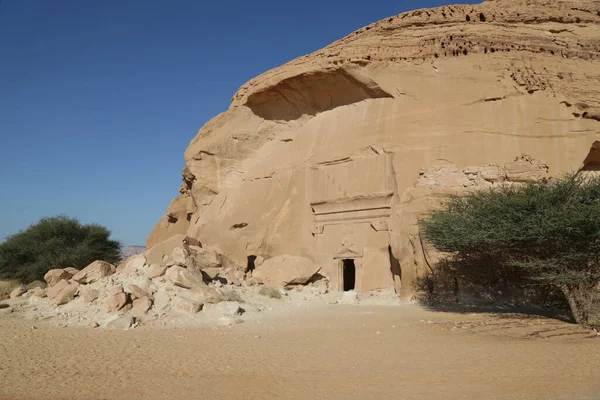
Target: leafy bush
[[56, 242], [548, 229]]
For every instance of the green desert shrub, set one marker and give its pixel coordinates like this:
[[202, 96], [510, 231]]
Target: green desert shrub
[[56, 242], [549, 229]]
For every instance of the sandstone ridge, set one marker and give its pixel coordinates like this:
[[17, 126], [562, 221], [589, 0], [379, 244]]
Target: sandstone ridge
[[324, 157]]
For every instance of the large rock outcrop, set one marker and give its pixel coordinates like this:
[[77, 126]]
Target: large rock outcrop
[[328, 157]]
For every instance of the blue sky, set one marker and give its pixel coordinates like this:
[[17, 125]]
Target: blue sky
[[99, 99]]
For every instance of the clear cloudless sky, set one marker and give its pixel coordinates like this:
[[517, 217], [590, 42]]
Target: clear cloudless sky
[[99, 99]]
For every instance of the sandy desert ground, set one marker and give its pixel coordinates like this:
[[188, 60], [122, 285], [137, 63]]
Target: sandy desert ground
[[311, 352]]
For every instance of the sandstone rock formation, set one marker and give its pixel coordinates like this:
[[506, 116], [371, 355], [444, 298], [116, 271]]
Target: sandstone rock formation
[[282, 271], [94, 272], [334, 155]]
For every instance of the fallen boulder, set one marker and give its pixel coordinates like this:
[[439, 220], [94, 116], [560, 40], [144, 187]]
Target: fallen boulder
[[89, 295], [17, 292], [141, 306], [53, 276], [94, 272], [228, 309], [156, 271], [160, 251], [183, 277], [186, 305], [66, 294], [205, 293], [137, 292], [116, 302], [201, 259], [37, 292], [286, 270], [134, 264], [53, 291], [123, 322], [71, 270]]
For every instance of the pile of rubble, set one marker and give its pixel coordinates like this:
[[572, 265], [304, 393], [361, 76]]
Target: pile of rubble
[[175, 281]]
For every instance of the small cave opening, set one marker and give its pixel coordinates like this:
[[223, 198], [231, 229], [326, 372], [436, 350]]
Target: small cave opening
[[251, 266], [349, 274], [592, 161]]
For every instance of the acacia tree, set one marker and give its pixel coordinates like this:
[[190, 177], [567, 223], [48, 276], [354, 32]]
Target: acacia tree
[[549, 228], [56, 242]]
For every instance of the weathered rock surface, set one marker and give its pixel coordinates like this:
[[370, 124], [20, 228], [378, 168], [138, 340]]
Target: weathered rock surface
[[160, 252], [286, 270], [53, 276], [228, 308], [137, 292], [71, 270], [116, 302], [17, 292], [37, 292], [186, 305], [94, 272], [320, 157], [53, 291], [156, 271], [205, 293], [123, 322], [183, 277], [66, 294], [89, 295], [141, 306], [134, 264], [201, 259]]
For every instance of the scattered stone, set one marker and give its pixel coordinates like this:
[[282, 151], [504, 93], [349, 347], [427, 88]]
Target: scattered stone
[[186, 305], [179, 256], [286, 270], [137, 292], [141, 306], [183, 277], [37, 292], [94, 272], [115, 290], [206, 294], [134, 264], [123, 322], [89, 295], [156, 271], [71, 270], [116, 302], [228, 308], [201, 259], [93, 325], [163, 249], [66, 294], [53, 291], [161, 301], [17, 292], [53, 276], [232, 279]]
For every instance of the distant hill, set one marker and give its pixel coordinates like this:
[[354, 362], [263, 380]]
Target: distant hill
[[129, 251]]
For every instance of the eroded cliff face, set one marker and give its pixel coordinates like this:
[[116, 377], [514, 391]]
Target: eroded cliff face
[[319, 157]]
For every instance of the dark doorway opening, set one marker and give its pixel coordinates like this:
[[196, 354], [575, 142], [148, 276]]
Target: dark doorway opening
[[250, 267], [349, 274]]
